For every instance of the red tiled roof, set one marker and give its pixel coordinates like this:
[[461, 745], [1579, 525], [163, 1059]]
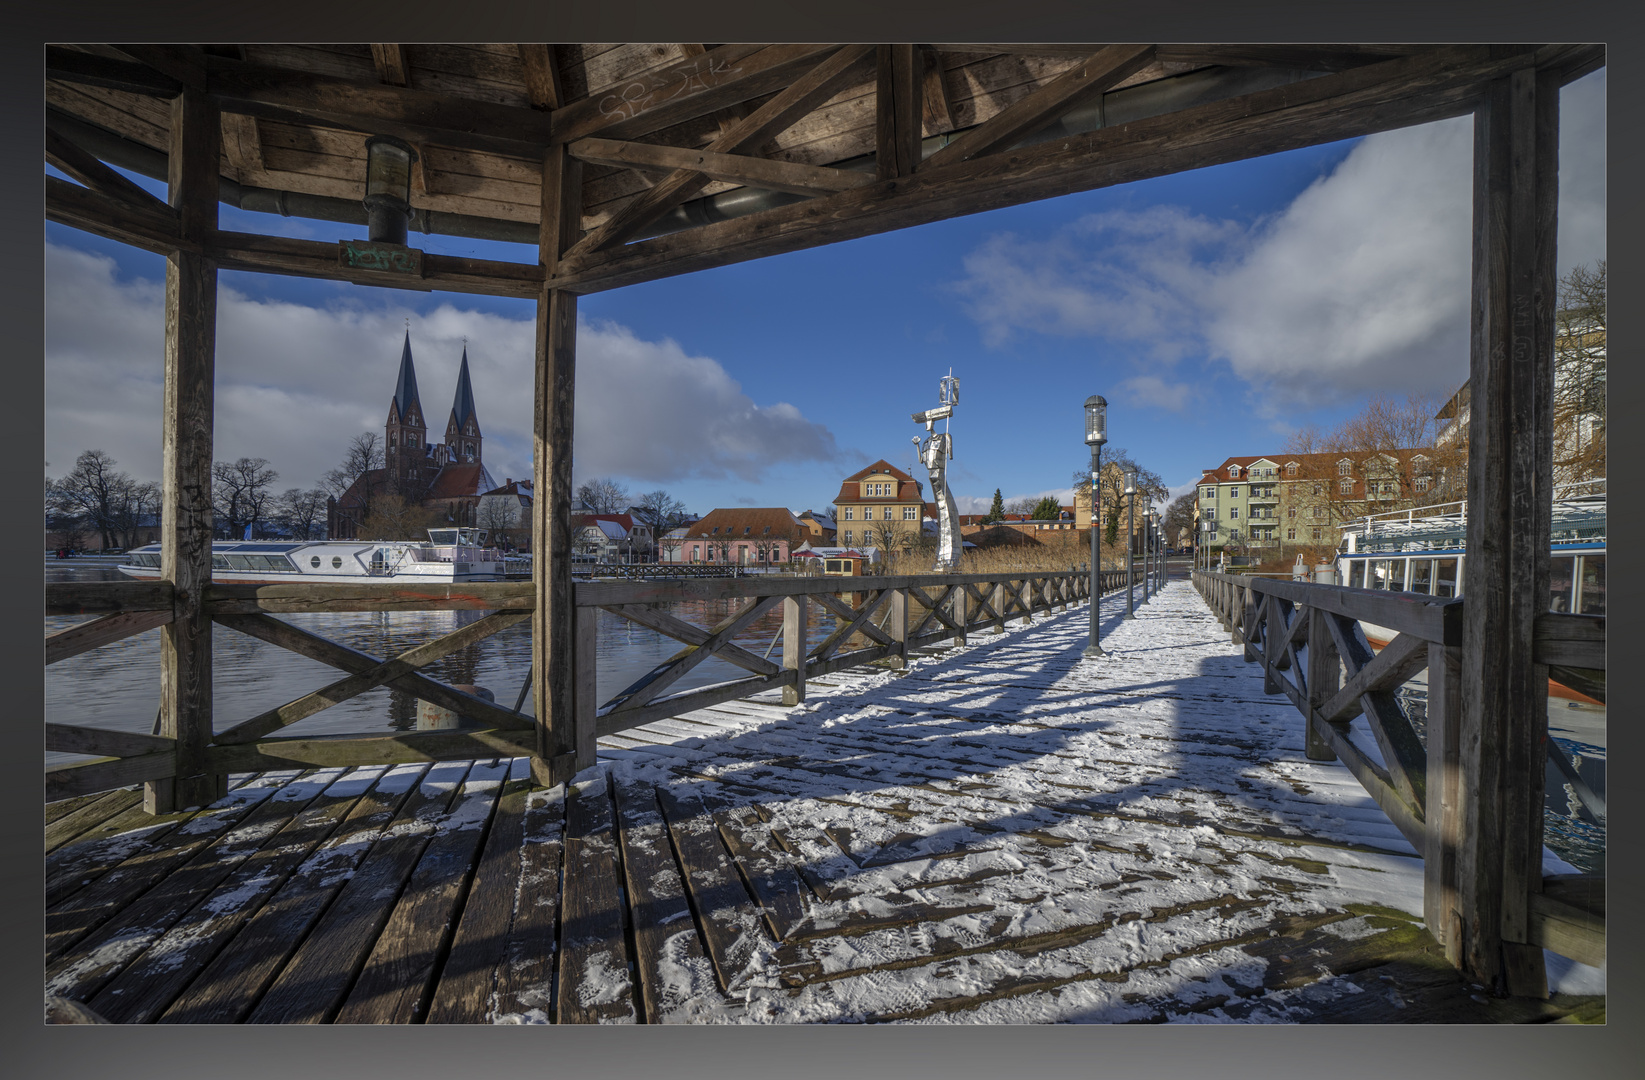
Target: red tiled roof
[[457, 481], [748, 523]]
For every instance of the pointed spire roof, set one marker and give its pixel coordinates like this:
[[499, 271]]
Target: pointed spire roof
[[462, 408], [405, 390]]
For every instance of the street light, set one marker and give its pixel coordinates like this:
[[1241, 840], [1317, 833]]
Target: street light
[[1130, 537], [1148, 540], [1096, 433]]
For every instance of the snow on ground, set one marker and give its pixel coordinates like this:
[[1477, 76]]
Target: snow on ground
[[1010, 833]]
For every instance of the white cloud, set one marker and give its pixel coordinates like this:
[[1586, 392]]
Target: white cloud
[[1360, 285], [296, 383]]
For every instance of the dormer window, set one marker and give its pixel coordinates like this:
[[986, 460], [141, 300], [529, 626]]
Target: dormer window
[[1343, 467], [1291, 469], [1233, 472]]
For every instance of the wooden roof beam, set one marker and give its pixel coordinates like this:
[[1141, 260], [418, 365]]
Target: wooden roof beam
[[390, 61], [93, 211], [1100, 71], [1308, 57], [185, 63], [71, 65], [1444, 82], [683, 91], [542, 76], [418, 116], [97, 176], [936, 108], [896, 112], [317, 259], [776, 115], [730, 168]]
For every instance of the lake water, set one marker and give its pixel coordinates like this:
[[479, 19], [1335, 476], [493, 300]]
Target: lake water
[[118, 685]]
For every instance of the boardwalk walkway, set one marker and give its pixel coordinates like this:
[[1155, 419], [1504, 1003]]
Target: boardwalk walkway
[[1003, 833]]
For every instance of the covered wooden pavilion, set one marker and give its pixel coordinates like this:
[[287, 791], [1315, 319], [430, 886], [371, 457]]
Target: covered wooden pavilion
[[629, 163]]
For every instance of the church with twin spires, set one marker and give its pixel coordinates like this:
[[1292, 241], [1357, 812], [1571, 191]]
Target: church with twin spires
[[447, 474]]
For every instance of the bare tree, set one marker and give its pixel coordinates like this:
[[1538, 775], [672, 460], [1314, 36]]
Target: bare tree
[[1386, 457], [240, 493], [364, 454], [1579, 375], [603, 495], [500, 516], [392, 517], [660, 511], [100, 497], [669, 544], [1150, 488], [885, 535], [300, 510], [1179, 517]]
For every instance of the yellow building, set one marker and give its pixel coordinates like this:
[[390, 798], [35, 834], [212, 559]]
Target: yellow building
[[880, 506]]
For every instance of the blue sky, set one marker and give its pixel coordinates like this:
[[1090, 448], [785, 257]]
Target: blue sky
[[1216, 310]]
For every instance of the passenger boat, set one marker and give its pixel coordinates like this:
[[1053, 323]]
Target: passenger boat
[[1421, 551], [449, 555]]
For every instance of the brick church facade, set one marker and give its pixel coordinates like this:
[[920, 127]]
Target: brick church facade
[[447, 474]]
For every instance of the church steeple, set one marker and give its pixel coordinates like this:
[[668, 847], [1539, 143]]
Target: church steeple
[[463, 428], [405, 436]]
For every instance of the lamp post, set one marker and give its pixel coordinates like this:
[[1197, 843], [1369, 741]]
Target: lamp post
[[1130, 538], [1150, 521], [1096, 433]]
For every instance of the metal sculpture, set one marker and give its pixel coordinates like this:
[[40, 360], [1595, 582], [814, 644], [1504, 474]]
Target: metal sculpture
[[936, 450]]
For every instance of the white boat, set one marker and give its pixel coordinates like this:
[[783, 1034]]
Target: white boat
[[1421, 551], [449, 555]]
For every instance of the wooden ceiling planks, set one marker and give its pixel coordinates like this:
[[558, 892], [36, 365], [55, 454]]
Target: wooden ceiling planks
[[295, 116]]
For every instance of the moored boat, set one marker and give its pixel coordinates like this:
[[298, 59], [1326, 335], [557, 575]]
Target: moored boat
[[449, 555]]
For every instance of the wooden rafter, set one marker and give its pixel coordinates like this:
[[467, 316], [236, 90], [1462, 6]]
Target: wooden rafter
[[1428, 86], [799, 98], [936, 109], [694, 87], [730, 168], [242, 143], [1100, 71], [97, 176], [185, 63], [896, 112], [390, 61], [542, 76]]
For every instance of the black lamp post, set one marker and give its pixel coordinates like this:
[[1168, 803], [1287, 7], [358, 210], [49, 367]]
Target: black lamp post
[[388, 188], [1096, 433], [1130, 537], [1148, 541]]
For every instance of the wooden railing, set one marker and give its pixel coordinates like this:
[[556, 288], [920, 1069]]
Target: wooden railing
[[894, 614], [1310, 643]]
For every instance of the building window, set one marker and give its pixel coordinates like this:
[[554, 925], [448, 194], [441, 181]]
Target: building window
[[1291, 513], [1319, 488], [887, 515], [1291, 469], [848, 538], [696, 552], [1233, 511], [1317, 534], [910, 513], [1233, 472], [1346, 487], [1233, 493], [1208, 493], [715, 531], [747, 529], [1422, 483], [1342, 467], [1290, 534], [1319, 511], [848, 511]]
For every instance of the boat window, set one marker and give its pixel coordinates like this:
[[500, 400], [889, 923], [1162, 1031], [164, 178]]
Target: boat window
[[219, 562], [1445, 577], [1356, 574], [1422, 575], [336, 562], [1593, 585], [1560, 569], [1379, 575], [315, 562]]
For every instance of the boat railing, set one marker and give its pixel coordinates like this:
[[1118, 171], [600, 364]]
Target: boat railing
[[1312, 649]]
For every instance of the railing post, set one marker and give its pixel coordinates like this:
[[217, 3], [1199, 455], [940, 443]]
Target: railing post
[[961, 613], [896, 624], [1442, 817], [1268, 606], [794, 650], [1000, 594], [585, 695], [1324, 680]]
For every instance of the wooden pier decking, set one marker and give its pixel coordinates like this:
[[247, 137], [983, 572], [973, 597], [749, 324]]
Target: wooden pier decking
[[1001, 833]]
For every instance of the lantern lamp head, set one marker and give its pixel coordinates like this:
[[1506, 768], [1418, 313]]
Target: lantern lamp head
[[1130, 479], [1096, 420], [388, 188]]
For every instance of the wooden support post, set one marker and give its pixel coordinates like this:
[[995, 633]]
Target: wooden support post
[[896, 624], [1510, 438], [794, 613], [553, 620], [1442, 820], [1000, 595], [961, 612], [897, 122], [1324, 677], [186, 454], [585, 695], [1273, 636]]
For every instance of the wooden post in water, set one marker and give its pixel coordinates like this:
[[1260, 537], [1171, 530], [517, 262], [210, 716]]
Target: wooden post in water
[[186, 453], [553, 620], [794, 647], [1503, 727]]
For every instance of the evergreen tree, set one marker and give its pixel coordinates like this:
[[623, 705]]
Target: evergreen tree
[[1047, 509], [996, 512]]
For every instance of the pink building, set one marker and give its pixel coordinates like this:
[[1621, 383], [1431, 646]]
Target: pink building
[[745, 536]]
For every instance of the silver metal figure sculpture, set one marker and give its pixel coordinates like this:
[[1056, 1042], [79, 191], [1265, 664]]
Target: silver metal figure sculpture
[[936, 450]]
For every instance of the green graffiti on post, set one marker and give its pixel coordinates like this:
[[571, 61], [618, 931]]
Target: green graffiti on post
[[380, 258]]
